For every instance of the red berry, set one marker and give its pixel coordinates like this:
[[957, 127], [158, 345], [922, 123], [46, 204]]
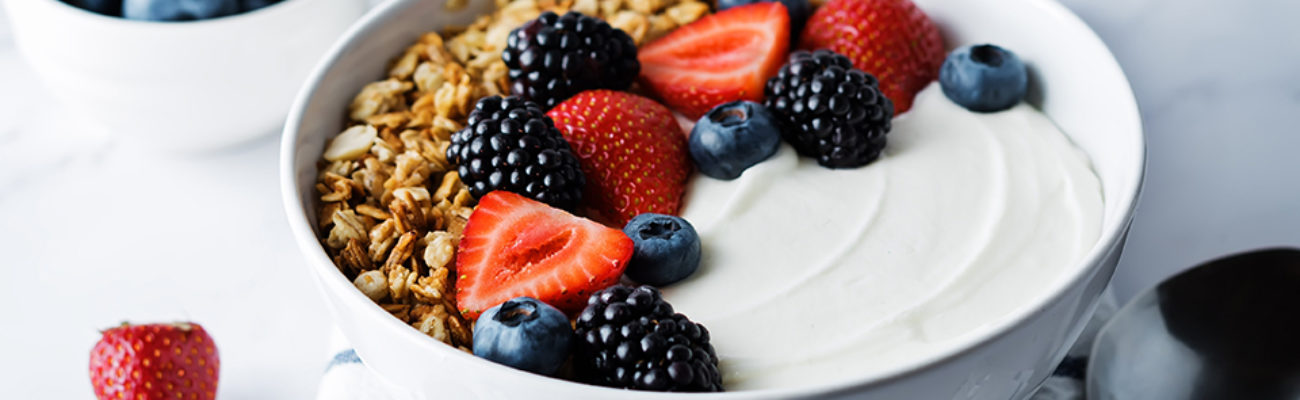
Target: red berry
[[155, 362], [891, 39], [514, 246], [632, 152], [720, 58]]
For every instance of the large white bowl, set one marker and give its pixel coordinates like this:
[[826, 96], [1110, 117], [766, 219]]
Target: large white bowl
[[179, 85], [1076, 82]]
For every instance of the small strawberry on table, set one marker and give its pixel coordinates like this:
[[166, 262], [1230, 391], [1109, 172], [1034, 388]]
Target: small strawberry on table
[[155, 362]]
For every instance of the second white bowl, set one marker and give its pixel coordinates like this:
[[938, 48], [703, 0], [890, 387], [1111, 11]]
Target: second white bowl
[[179, 85]]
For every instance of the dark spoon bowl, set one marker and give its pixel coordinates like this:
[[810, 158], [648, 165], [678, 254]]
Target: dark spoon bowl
[[1226, 329]]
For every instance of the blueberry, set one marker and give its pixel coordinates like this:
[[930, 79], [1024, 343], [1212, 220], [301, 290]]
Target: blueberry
[[799, 11], [524, 333], [665, 249], [250, 5], [178, 10], [732, 137], [112, 8], [984, 78]]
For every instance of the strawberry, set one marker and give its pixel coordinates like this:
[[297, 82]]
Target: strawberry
[[720, 58], [155, 362], [514, 246], [890, 39], [632, 152]]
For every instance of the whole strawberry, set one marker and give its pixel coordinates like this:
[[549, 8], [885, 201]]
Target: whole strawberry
[[892, 40], [632, 152], [155, 362]]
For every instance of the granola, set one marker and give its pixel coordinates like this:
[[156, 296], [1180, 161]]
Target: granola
[[392, 208]]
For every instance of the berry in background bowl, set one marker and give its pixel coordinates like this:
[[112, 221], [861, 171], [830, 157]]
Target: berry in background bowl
[[112, 8], [170, 10], [192, 85]]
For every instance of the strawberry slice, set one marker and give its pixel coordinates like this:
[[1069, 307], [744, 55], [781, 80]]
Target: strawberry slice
[[720, 58], [632, 151], [892, 40], [514, 246]]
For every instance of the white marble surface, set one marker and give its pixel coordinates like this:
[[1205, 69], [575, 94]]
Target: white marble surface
[[95, 230], [1218, 82]]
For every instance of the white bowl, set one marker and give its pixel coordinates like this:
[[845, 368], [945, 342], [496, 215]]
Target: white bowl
[[180, 85], [1076, 82]]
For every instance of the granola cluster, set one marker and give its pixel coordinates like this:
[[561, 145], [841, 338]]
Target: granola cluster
[[392, 208]]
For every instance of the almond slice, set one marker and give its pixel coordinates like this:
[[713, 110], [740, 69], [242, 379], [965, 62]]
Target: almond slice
[[352, 143]]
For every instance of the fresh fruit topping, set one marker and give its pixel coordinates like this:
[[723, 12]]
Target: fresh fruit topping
[[524, 333], [666, 249], [733, 137], [112, 8], [555, 57], [632, 151], [799, 10], [720, 58], [829, 110], [513, 246], [509, 144], [984, 78], [178, 10], [630, 338], [890, 39], [154, 362]]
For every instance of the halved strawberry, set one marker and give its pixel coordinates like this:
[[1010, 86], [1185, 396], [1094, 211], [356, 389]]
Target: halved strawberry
[[632, 152], [891, 39], [720, 58], [514, 246]]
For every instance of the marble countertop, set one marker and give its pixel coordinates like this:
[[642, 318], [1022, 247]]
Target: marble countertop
[[95, 231]]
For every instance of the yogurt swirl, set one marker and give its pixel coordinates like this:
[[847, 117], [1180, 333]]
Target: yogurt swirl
[[811, 275]]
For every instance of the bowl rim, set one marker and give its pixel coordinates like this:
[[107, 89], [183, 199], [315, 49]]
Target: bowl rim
[[1110, 240], [88, 16]]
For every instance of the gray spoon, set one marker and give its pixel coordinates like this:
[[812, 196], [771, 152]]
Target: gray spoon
[[1227, 329]]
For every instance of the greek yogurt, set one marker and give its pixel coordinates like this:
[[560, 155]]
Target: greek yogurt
[[813, 275]]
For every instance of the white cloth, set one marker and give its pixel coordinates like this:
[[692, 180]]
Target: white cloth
[[347, 378]]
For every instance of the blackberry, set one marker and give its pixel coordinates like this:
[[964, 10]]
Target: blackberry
[[829, 110], [509, 144], [630, 338], [554, 57]]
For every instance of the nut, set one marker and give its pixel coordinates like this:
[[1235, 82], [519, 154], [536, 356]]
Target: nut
[[373, 284], [352, 143], [379, 98]]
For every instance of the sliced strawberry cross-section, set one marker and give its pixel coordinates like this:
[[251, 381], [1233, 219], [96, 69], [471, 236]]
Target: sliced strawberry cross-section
[[514, 246], [723, 57]]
